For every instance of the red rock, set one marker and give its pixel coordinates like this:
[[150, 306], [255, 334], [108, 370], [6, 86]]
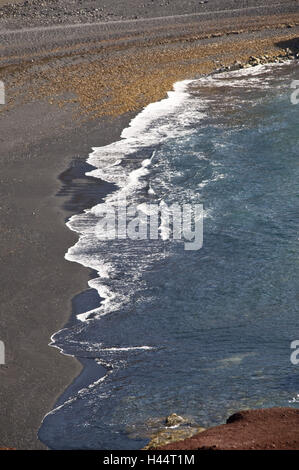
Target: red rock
[[265, 429]]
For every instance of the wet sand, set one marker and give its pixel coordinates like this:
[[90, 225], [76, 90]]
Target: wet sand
[[67, 89]]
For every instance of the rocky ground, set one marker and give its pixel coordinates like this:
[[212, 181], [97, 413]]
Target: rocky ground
[[265, 429], [170, 430], [46, 12]]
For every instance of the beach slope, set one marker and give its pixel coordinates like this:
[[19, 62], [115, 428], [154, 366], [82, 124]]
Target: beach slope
[[68, 88]]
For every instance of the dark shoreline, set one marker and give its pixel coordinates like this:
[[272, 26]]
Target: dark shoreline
[[67, 280], [82, 196], [91, 372], [40, 142]]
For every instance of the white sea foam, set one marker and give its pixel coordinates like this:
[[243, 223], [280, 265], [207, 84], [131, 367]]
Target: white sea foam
[[118, 279], [149, 127], [131, 348], [215, 177], [295, 399], [251, 77], [155, 111], [80, 394], [169, 118]]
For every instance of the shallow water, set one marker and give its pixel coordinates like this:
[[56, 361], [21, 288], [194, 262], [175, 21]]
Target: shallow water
[[201, 333]]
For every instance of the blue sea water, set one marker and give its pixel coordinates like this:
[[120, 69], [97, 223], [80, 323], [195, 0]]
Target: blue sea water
[[201, 333]]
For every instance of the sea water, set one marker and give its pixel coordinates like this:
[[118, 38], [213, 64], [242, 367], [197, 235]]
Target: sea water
[[202, 333]]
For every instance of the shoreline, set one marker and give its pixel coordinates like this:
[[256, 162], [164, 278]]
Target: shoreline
[[42, 140], [51, 372], [90, 372]]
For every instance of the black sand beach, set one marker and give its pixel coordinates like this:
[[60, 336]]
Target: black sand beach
[[69, 89], [37, 283]]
